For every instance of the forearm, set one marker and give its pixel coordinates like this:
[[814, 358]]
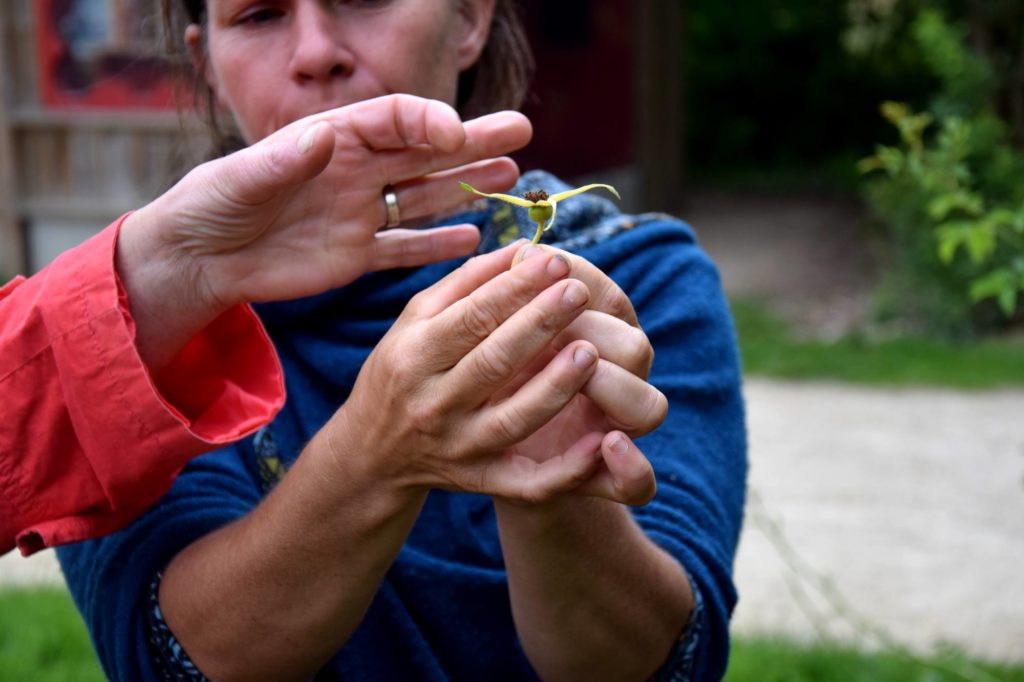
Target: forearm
[[592, 597], [295, 576]]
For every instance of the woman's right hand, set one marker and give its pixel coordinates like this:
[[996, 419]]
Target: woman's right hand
[[301, 211], [422, 412]]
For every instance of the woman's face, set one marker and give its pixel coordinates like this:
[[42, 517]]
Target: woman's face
[[272, 62]]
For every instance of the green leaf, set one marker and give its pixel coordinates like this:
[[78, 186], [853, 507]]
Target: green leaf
[[892, 160], [1002, 217], [1018, 221], [981, 242], [941, 206], [951, 236], [1008, 300], [993, 285], [870, 165], [894, 112]]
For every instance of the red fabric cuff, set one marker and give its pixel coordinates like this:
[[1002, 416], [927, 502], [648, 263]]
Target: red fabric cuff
[[99, 438]]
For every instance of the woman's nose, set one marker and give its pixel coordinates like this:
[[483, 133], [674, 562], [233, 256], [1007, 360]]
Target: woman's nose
[[319, 53]]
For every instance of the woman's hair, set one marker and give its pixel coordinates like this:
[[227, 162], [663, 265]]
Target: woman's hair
[[497, 81]]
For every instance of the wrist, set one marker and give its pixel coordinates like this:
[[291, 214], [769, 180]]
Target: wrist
[[565, 516], [349, 456], [164, 285]]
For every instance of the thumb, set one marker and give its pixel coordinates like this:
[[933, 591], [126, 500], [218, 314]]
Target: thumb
[[292, 156]]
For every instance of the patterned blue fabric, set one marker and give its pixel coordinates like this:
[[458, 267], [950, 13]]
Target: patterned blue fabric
[[681, 662], [442, 612], [172, 663]]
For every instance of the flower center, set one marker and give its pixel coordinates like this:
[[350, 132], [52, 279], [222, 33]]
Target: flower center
[[536, 195]]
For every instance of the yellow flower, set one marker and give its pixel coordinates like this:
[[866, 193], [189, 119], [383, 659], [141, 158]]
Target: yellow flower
[[542, 208]]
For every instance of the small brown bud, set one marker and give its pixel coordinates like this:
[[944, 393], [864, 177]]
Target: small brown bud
[[536, 195]]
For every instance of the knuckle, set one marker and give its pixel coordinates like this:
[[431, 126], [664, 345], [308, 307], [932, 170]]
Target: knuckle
[[510, 426], [655, 410], [639, 347], [546, 321], [617, 304], [275, 162], [492, 364], [398, 361], [638, 492], [426, 415], [646, 490], [416, 304], [479, 320]]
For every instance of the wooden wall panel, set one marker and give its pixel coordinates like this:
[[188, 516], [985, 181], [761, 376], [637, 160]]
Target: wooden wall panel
[[12, 245], [81, 167]]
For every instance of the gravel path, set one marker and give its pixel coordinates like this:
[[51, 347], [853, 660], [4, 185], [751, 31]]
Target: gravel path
[[909, 504]]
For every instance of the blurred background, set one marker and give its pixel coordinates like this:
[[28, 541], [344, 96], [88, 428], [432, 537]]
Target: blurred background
[[856, 169]]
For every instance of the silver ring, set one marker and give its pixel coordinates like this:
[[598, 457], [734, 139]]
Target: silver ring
[[391, 202]]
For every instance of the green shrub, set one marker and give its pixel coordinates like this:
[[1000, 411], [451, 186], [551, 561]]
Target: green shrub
[[950, 198]]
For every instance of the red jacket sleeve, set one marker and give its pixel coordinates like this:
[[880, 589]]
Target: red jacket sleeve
[[88, 437]]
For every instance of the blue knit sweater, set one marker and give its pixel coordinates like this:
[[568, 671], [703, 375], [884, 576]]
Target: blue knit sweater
[[443, 609]]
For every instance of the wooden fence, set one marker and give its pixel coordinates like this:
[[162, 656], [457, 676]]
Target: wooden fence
[[67, 174]]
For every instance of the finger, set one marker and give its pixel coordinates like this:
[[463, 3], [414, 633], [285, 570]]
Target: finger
[[522, 479], [502, 356], [440, 192], [606, 295], [254, 175], [458, 284], [409, 248], [629, 402], [396, 122], [625, 476], [537, 401], [473, 318], [487, 137], [617, 341]]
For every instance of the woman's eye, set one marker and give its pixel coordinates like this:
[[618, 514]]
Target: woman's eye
[[260, 16]]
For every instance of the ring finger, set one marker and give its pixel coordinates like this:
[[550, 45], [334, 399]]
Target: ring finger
[[439, 192]]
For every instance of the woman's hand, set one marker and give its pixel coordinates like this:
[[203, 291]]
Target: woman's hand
[[615, 403], [300, 211], [423, 411]]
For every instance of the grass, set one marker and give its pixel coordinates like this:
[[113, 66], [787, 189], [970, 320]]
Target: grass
[[43, 639], [770, 349], [774, 660]]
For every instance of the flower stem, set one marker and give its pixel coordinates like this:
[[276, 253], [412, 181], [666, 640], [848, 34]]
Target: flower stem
[[536, 236]]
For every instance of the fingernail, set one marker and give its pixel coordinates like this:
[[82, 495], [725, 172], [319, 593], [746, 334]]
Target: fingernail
[[306, 141], [583, 357], [574, 295], [530, 251], [559, 266], [619, 445]]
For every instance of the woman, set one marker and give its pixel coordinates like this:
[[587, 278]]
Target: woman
[[462, 514]]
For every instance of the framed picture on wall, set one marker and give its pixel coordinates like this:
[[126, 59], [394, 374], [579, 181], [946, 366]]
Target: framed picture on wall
[[100, 54]]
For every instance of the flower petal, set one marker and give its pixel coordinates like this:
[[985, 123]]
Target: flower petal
[[554, 212], [579, 190], [518, 201]]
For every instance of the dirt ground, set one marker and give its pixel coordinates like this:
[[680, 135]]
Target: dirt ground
[[806, 255], [878, 508]]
